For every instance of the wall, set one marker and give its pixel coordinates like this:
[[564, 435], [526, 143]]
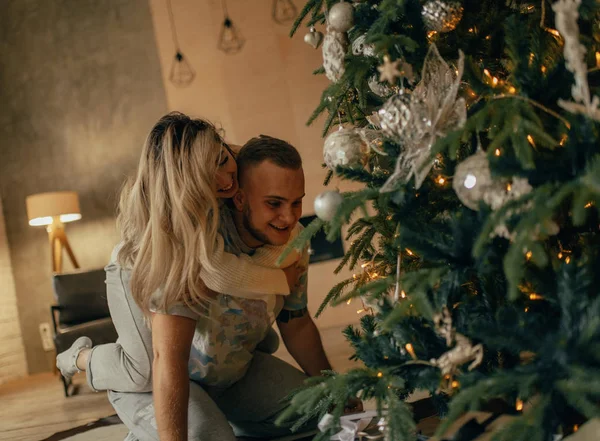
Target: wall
[[80, 86], [12, 352], [266, 88]]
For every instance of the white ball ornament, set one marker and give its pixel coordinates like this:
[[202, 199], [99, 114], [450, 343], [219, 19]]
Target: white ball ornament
[[344, 147], [327, 204], [473, 180], [341, 16]]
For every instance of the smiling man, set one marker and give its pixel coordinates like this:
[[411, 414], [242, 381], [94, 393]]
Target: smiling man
[[268, 208]]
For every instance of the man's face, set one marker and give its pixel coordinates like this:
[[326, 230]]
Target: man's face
[[271, 201]]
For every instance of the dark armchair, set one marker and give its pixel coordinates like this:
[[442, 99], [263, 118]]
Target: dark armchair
[[81, 309]]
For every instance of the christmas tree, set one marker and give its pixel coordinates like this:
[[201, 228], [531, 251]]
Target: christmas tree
[[474, 127]]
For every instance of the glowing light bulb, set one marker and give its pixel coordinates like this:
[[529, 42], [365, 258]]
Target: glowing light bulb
[[519, 405], [497, 152], [470, 181], [410, 350]]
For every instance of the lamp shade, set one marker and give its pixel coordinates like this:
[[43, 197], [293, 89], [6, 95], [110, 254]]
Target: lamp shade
[[42, 208]]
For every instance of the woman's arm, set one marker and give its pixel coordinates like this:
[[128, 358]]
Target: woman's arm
[[172, 337], [246, 276]]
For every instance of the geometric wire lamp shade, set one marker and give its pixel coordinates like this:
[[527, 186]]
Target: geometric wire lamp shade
[[54, 209]]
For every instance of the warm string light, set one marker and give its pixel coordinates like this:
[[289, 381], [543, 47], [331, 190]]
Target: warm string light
[[497, 152], [512, 90], [575, 427], [588, 205], [431, 34], [598, 59], [519, 405], [553, 32], [455, 384], [531, 141], [410, 253], [563, 139], [528, 255], [568, 260], [379, 374], [402, 294], [349, 301], [411, 351], [441, 180], [535, 296]]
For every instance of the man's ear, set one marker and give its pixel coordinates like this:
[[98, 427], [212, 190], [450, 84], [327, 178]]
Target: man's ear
[[239, 200]]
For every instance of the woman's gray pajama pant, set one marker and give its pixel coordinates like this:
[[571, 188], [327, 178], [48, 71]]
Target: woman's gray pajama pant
[[247, 408]]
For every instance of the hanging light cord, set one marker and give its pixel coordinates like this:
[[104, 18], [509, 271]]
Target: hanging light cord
[[224, 6], [173, 30]]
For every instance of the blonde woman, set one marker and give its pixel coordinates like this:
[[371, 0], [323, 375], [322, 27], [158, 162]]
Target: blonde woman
[[171, 251]]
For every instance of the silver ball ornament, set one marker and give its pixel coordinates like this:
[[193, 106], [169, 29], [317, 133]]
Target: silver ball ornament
[[473, 180], [359, 47], [327, 204], [395, 115], [341, 16], [442, 15], [344, 147], [313, 37]]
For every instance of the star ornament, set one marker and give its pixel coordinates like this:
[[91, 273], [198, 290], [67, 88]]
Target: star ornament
[[389, 70]]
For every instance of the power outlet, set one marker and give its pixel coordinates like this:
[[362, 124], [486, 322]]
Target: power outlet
[[46, 334]]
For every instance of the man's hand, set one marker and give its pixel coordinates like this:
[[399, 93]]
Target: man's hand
[[303, 342], [292, 274]]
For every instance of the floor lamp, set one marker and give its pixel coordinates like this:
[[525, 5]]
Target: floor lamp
[[54, 210]]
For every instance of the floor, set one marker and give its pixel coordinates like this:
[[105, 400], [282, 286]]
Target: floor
[[35, 407]]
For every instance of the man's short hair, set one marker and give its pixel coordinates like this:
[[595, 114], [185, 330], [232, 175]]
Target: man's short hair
[[266, 148]]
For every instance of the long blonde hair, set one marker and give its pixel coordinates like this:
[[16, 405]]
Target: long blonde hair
[[168, 215]]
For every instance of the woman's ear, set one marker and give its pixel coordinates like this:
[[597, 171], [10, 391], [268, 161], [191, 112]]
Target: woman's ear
[[239, 200]]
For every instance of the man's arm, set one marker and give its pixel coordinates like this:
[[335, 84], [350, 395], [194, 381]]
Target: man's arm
[[302, 340], [172, 337]]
